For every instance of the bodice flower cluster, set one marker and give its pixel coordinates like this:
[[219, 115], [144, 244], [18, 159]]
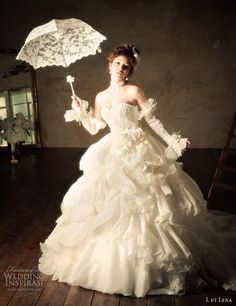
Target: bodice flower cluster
[[130, 138]]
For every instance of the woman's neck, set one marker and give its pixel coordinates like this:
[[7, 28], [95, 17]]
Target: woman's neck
[[117, 84]]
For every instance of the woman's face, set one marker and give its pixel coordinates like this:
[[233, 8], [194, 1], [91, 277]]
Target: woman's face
[[119, 68]]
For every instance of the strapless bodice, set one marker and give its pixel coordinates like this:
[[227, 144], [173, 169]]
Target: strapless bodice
[[121, 116]]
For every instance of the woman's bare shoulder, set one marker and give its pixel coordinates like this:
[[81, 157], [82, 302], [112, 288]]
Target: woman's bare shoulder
[[101, 96], [133, 88], [136, 92]]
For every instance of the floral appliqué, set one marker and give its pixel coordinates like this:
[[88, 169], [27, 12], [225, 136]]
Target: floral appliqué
[[151, 166], [130, 138]]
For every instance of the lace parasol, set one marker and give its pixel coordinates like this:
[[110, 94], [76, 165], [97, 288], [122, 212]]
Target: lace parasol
[[60, 42]]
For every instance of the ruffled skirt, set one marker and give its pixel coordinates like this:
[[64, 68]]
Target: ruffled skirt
[[136, 224]]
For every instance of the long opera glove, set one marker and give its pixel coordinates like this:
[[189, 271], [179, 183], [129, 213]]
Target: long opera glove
[[176, 144], [82, 115]]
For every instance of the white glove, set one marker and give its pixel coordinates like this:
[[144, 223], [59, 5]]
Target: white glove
[[176, 144], [81, 114]]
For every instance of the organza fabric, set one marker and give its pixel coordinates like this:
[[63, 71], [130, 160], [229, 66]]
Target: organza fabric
[[135, 223]]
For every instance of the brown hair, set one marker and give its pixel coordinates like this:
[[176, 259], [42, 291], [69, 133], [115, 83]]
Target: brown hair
[[127, 50]]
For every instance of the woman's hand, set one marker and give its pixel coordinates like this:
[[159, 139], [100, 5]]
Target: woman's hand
[[76, 102]]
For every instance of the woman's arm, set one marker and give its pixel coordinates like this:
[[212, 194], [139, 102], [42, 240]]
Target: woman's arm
[[176, 144], [97, 106], [140, 97]]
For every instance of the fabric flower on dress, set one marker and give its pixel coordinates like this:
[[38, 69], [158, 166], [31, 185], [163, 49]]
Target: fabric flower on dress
[[150, 166], [154, 172], [130, 138]]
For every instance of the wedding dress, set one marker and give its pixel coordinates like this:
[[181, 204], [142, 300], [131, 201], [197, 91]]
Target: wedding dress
[[135, 223]]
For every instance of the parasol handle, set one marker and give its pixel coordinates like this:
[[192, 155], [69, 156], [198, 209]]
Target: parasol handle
[[70, 80]]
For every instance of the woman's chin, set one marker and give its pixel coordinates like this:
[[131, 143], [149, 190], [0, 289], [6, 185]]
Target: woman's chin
[[118, 78]]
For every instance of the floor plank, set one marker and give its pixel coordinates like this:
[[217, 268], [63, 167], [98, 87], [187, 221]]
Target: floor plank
[[47, 293], [79, 296], [132, 301], [105, 299], [194, 299], [5, 295], [161, 300], [59, 296]]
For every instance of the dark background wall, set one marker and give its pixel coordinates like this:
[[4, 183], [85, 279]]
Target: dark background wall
[[188, 62]]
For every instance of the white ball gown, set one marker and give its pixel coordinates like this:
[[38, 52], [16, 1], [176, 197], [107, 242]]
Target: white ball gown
[[135, 223]]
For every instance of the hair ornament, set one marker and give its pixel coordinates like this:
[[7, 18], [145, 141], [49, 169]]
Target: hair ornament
[[136, 55]]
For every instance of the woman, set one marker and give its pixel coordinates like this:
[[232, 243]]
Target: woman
[[134, 223]]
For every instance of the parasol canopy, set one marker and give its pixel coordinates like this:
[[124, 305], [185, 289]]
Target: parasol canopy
[[60, 42]]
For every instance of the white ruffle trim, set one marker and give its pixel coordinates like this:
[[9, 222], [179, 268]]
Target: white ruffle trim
[[77, 112], [176, 146], [149, 107], [82, 115]]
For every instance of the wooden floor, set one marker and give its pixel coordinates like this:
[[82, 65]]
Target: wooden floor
[[30, 197]]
